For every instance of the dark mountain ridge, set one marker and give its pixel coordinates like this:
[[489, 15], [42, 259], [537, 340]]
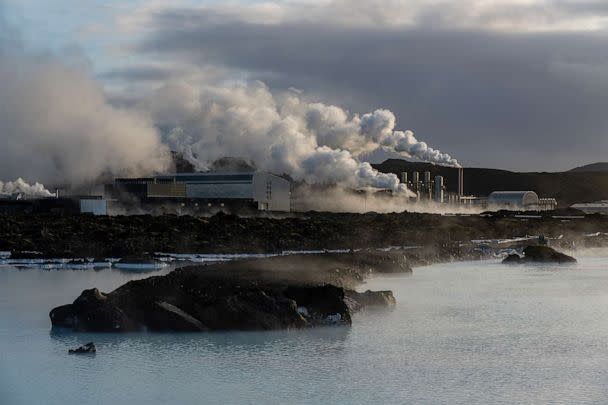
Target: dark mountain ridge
[[593, 167]]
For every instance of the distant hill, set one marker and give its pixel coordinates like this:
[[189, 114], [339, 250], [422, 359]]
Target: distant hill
[[567, 187], [593, 167]]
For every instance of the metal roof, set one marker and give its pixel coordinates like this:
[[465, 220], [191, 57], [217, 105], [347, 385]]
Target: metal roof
[[521, 197], [214, 177]]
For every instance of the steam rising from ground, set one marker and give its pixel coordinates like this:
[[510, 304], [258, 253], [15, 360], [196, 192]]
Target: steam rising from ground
[[339, 199], [19, 186]]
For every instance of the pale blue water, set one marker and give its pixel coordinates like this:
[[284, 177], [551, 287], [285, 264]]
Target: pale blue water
[[461, 333]]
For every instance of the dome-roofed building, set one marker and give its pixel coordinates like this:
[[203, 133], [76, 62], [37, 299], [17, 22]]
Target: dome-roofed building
[[514, 200]]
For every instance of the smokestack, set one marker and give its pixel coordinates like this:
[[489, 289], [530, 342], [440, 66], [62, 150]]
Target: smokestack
[[460, 182], [438, 189], [404, 177]]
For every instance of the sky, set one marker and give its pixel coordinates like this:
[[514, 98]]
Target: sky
[[513, 84]]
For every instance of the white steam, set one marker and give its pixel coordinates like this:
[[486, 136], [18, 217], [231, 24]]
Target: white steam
[[379, 127], [339, 199], [57, 127], [313, 142], [19, 186]]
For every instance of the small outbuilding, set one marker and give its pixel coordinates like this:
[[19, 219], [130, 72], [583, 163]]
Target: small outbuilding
[[514, 200]]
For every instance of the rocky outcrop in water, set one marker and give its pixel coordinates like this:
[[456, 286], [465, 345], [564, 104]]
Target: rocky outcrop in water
[[358, 300], [279, 293], [539, 254], [89, 348]]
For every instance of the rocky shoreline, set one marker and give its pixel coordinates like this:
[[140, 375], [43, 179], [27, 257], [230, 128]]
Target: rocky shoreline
[[128, 236], [289, 292], [281, 292]]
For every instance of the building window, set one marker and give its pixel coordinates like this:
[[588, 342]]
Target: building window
[[268, 190]]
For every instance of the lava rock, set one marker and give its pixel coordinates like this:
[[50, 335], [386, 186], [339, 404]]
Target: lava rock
[[513, 259], [122, 236], [540, 254], [546, 254], [359, 300], [289, 292], [92, 311], [88, 348]]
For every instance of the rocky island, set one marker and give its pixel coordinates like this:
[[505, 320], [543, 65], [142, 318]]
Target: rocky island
[[539, 254], [289, 292]]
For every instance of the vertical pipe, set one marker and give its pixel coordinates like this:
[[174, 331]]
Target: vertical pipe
[[438, 189], [460, 182]]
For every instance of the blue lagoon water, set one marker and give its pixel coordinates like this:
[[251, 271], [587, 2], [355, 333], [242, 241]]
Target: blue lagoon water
[[461, 333]]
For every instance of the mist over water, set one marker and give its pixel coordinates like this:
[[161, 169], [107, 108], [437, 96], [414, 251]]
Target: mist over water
[[473, 332]]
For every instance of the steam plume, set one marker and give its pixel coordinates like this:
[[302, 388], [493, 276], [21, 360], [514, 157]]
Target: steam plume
[[57, 127], [19, 186], [283, 133], [379, 126]]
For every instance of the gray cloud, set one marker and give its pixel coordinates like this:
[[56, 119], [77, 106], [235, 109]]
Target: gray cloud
[[522, 100]]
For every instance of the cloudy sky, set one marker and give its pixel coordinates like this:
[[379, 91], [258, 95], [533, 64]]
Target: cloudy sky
[[515, 84]]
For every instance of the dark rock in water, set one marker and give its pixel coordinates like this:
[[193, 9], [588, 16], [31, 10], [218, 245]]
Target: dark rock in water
[[100, 314], [513, 259], [275, 293], [322, 304], [88, 348], [540, 254], [357, 301], [546, 254]]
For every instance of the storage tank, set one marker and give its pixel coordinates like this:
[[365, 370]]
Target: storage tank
[[438, 194], [514, 200], [427, 178], [416, 177]]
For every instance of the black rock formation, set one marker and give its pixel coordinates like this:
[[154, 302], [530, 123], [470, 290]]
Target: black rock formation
[[120, 236], [539, 254], [278, 293], [88, 348]]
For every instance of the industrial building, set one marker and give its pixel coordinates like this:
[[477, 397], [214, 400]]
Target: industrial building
[[431, 189], [67, 205], [599, 207], [256, 190], [514, 200], [435, 189]]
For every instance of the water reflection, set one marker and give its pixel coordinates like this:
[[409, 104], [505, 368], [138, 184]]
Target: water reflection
[[215, 341]]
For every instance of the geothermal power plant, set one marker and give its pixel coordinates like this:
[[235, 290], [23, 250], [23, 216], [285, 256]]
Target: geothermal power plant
[[253, 191]]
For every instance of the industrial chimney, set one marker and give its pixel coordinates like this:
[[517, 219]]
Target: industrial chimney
[[460, 182]]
